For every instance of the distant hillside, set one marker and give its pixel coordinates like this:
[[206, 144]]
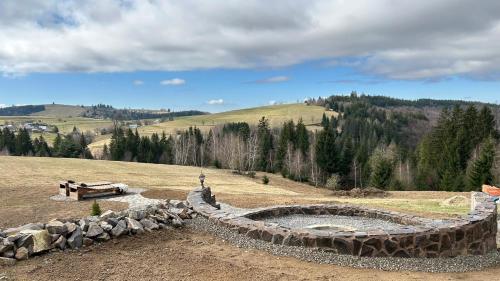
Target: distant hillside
[[60, 111], [21, 110], [103, 111], [277, 114]]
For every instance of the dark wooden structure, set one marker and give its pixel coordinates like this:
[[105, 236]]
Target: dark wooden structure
[[79, 191]]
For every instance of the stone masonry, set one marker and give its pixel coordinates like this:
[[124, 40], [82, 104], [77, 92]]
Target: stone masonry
[[473, 234]]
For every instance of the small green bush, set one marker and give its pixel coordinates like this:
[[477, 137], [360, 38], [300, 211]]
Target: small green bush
[[333, 182], [251, 174], [265, 179], [217, 164], [96, 209]]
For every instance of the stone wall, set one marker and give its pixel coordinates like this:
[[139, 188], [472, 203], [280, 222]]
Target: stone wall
[[37, 238], [474, 234]]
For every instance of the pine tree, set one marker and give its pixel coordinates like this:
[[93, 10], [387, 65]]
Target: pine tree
[[327, 156], [265, 146], [480, 170], [324, 121]]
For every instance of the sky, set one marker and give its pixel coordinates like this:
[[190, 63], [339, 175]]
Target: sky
[[221, 55]]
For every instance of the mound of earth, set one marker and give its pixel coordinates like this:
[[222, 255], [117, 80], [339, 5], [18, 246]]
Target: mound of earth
[[361, 192], [457, 201]]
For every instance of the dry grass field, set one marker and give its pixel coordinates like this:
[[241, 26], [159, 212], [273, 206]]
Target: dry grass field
[[28, 182], [277, 114]]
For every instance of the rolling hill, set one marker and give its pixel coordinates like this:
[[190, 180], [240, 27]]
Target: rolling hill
[[277, 114]]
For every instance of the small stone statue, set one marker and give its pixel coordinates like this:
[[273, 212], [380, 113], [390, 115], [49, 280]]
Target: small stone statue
[[202, 180]]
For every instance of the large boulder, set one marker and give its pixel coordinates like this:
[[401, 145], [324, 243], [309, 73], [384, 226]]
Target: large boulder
[[26, 241], [56, 227], [106, 226], [29, 226], [5, 245], [134, 226], [149, 224], [75, 241], [60, 243], [22, 254], [119, 229], [108, 214], [103, 237], [84, 224], [41, 240], [136, 214], [177, 204], [94, 230], [70, 226]]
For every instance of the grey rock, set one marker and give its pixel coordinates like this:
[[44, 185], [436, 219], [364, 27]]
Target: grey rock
[[108, 214], [76, 239], [103, 237], [84, 224], [136, 214], [149, 224], [22, 254], [26, 241], [177, 222], [3, 234], [29, 226], [106, 226], [14, 237], [120, 229], [70, 227], [54, 237], [56, 227], [87, 242], [134, 226], [60, 243], [112, 221], [178, 204], [94, 230], [7, 261], [9, 254], [41, 240]]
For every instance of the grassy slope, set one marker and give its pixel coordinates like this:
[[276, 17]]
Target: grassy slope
[[28, 182], [60, 110], [277, 114]]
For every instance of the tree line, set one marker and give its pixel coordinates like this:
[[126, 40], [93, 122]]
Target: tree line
[[72, 145]]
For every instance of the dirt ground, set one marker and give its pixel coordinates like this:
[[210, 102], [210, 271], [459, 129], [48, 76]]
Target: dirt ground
[[27, 204], [185, 255]]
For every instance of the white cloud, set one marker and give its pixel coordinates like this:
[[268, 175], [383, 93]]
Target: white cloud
[[275, 79], [215, 102], [138, 82], [173, 82], [395, 39], [2, 105], [272, 102]]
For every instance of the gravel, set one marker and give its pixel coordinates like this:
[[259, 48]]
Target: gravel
[[457, 264], [343, 222], [133, 197]]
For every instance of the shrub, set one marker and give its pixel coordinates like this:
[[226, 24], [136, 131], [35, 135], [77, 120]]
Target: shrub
[[217, 164], [251, 174], [265, 179], [333, 182], [96, 209]]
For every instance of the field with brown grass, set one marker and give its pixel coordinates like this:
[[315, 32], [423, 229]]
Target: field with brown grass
[[28, 182]]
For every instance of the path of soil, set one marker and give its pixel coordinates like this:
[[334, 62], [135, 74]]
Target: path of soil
[[185, 255]]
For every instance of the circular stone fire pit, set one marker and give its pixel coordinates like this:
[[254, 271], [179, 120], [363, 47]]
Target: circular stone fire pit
[[332, 223], [361, 231]]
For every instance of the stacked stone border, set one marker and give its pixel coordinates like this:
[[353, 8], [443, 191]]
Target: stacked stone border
[[59, 234], [473, 234]]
